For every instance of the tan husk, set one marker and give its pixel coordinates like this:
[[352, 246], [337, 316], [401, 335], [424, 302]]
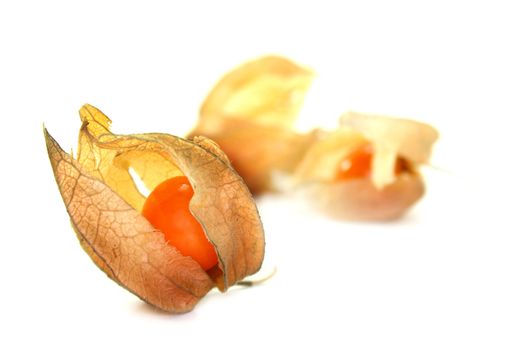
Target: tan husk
[[249, 113], [320, 161], [385, 195], [258, 151], [268, 91], [122, 242], [392, 137], [359, 199]]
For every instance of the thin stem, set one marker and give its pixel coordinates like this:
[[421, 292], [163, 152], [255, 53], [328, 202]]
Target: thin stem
[[245, 283]]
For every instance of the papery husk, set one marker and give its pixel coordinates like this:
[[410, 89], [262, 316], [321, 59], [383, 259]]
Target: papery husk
[[221, 203], [257, 152], [392, 138], [250, 113], [383, 196], [360, 199], [122, 243], [325, 153], [268, 91]]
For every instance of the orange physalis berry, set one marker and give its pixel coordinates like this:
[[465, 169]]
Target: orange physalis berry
[[167, 209], [358, 164]]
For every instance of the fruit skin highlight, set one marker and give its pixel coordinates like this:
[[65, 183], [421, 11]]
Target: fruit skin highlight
[[167, 209], [356, 164]]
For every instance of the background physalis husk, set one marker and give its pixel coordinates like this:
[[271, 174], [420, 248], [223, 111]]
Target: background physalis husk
[[104, 205], [268, 91], [251, 113], [382, 196]]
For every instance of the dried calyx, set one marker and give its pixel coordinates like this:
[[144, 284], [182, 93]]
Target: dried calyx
[[105, 207], [250, 113], [392, 183]]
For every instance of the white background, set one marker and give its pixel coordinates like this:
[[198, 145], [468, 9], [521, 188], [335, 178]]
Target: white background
[[448, 276]]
